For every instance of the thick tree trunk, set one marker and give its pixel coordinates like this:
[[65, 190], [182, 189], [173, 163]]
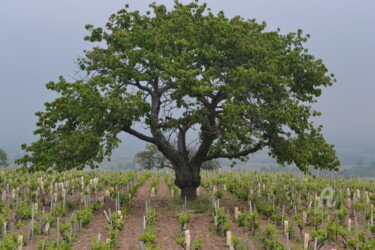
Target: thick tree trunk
[[190, 192], [188, 179]]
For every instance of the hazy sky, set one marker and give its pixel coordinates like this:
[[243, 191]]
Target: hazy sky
[[40, 40]]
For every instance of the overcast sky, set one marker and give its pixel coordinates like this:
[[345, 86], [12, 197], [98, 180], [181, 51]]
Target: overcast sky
[[40, 40]]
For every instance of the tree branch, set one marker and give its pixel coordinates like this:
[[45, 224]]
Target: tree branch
[[141, 87], [245, 152], [181, 143], [166, 166], [207, 138], [209, 131], [139, 135]]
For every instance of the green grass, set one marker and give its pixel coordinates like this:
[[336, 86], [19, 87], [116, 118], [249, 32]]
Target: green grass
[[200, 205]]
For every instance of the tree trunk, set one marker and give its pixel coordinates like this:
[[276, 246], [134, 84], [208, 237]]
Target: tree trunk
[[188, 179], [189, 192]]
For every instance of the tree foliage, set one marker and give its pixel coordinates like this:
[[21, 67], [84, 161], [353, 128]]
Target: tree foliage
[[3, 158], [239, 87], [152, 158]]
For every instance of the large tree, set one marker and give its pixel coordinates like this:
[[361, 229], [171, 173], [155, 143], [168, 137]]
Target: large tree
[[168, 74]]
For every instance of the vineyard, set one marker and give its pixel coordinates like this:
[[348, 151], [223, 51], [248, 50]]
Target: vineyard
[[143, 210]]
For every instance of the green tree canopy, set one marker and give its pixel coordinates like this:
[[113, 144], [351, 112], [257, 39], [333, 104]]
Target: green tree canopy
[[3, 158], [240, 87]]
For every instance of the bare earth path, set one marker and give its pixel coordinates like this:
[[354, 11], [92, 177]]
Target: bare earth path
[[201, 225], [96, 226], [128, 238], [229, 202], [167, 225]]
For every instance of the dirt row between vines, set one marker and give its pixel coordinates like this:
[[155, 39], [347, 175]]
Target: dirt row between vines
[[96, 227], [167, 226], [128, 238]]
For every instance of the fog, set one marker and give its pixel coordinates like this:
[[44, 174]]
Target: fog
[[40, 40]]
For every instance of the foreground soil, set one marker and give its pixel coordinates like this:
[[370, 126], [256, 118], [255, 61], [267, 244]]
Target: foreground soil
[[167, 227], [96, 227], [128, 238]]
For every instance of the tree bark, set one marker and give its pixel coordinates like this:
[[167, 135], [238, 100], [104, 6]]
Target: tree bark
[[190, 192], [188, 179]]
